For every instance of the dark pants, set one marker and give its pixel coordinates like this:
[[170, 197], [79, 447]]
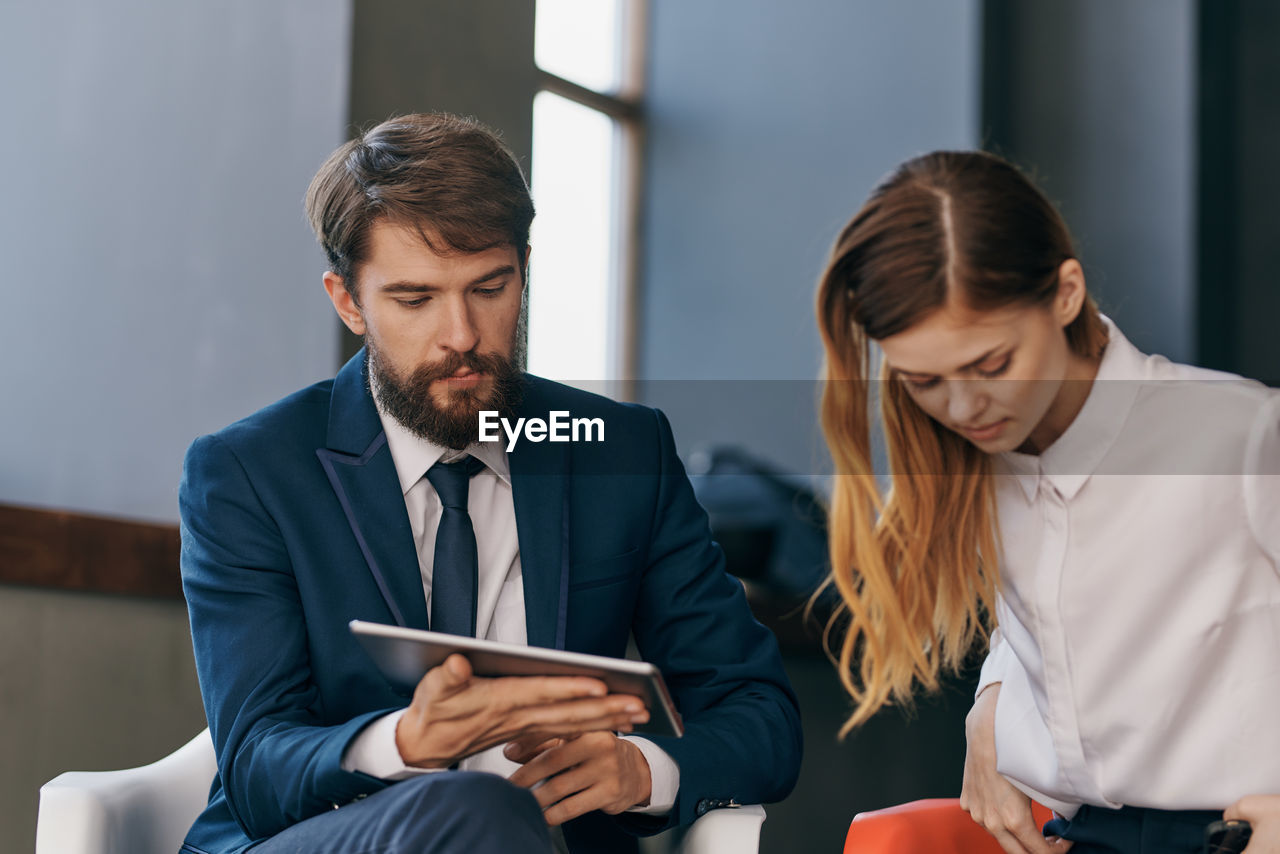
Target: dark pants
[[1134, 830], [454, 812]]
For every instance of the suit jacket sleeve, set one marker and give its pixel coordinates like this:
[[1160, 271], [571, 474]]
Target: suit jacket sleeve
[[742, 737], [278, 761]]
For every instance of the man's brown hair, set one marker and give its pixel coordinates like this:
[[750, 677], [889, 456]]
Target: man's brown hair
[[448, 177]]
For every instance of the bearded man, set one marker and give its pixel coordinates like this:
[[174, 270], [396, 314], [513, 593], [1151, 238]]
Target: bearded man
[[369, 497]]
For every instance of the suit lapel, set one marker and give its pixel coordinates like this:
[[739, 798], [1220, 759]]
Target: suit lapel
[[540, 489], [363, 476]]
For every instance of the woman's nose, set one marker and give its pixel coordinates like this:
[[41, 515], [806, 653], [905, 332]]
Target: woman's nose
[[966, 401]]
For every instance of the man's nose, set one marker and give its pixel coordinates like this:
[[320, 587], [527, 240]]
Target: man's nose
[[460, 332], [966, 400]]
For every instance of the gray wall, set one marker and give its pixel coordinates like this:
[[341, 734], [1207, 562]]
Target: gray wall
[[769, 124], [1097, 99], [87, 683], [160, 280], [473, 58]]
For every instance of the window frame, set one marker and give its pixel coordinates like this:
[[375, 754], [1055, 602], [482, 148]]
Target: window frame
[[625, 107]]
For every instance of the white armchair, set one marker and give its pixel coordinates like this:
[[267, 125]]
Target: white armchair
[[147, 810]]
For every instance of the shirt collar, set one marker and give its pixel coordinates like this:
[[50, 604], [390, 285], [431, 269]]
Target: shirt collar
[[1069, 462], [413, 455]]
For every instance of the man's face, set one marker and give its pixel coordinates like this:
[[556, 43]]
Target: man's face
[[441, 330]]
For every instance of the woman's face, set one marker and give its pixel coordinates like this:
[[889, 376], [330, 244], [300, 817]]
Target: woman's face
[[1005, 379]]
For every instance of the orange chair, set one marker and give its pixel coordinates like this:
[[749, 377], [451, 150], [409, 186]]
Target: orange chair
[[936, 826]]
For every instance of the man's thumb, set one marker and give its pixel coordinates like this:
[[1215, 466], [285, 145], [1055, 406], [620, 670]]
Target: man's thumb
[[457, 671]]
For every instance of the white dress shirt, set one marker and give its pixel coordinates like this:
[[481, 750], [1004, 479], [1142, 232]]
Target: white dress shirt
[[500, 614], [1139, 618]]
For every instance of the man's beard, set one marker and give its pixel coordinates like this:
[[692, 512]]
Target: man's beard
[[456, 424]]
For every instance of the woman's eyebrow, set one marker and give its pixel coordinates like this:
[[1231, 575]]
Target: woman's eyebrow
[[978, 361], [982, 358]]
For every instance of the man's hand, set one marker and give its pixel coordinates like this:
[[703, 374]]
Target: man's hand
[[455, 714], [594, 771], [990, 799], [1263, 814]]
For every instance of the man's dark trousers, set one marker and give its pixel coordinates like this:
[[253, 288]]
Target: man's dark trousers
[[450, 812]]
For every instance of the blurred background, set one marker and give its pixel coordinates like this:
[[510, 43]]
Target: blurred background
[[692, 161]]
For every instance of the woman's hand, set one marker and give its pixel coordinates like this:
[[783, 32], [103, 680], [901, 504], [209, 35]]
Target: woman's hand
[[990, 799], [1263, 814]]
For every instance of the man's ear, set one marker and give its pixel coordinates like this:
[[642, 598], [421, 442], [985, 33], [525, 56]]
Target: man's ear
[[1071, 292], [524, 274], [343, 302]]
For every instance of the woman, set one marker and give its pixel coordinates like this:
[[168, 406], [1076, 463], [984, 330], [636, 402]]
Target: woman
[[1101, 505]]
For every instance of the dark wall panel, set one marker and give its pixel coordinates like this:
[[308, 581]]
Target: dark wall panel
[[1096, 100], [473, 59]]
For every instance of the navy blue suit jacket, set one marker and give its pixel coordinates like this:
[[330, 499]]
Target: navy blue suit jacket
[[293, 523]]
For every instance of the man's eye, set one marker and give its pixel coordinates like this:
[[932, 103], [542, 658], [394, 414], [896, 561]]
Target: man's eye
[[491, 292], [414, 302], [998, 370]]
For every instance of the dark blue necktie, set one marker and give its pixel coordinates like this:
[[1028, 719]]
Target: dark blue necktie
[[454, 571]]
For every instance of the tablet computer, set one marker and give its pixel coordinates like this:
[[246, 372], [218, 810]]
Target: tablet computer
[[405, 655]]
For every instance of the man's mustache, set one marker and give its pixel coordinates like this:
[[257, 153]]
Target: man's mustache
[[485, 363]]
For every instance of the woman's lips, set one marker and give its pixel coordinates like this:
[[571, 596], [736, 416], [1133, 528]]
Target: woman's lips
[[987, 432]]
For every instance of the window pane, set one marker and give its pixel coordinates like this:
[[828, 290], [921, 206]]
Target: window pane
[[579, 41], [571, 270]]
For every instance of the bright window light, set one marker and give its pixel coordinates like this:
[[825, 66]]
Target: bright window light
[[579, 41], [572, 269]]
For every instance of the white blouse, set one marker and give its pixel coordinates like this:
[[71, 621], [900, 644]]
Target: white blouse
[[1139, 618]]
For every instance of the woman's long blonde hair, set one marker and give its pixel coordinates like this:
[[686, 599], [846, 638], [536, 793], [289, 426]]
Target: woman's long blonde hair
[[916, 569]]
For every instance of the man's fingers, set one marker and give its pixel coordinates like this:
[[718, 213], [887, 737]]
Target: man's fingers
[[616, 712], [521, 691], [523, 749], [449, 678], [572, 807], [547, 764], [574, 752], [457, 714], [591, 772], [458, 667], [565, 784]]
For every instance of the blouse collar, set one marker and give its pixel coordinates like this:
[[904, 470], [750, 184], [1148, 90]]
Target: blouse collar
[[1068, 463]]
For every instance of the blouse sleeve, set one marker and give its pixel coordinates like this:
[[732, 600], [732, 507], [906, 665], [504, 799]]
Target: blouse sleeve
[[998, 659], [1262, 479]]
